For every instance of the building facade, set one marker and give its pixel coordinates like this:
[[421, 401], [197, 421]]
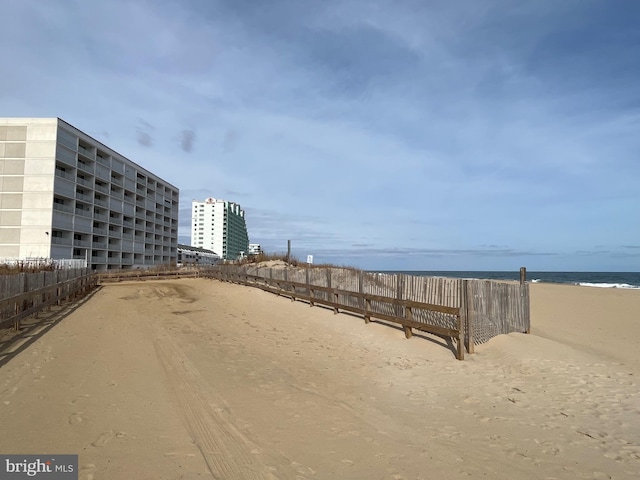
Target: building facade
[[255, 249], [220, 226], [64, 195], [188, 255]]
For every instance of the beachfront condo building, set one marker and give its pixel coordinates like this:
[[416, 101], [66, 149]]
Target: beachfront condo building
[[64, 195], [220, 226], [189, 256]]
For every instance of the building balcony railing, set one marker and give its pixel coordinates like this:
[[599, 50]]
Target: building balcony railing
[[101, 201], [81, 243], [62, 207], [99, 245], [65, 175], [61, 241], [101, 188], [86, 152], [102, 160], [100, 231], [85, 181], [84, 197], [86, 167]]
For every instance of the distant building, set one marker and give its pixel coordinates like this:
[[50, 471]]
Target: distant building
[[188, 255], [64, 195], [255, 249], [220, 226]]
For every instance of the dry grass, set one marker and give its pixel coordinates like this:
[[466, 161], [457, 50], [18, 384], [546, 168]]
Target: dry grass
[[26, 267], [291, 261]]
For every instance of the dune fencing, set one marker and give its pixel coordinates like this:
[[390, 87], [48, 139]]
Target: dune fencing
[[25, 294], [471, 309]]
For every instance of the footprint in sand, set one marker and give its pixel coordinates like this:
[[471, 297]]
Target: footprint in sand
[[103, 439], [75, 418]]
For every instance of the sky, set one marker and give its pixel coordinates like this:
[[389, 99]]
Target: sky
[[380, 134]]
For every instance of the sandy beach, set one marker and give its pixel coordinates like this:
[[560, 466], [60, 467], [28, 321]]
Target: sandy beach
[[195, 378]]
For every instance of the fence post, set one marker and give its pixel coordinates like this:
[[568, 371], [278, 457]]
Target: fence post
[[330, 295], [460, 339], [407, 329], [367, 309], [467, 321], [309, 290], [361, 289]]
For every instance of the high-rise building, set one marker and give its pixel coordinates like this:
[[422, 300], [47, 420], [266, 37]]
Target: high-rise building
[[220, 226], [64, 195]]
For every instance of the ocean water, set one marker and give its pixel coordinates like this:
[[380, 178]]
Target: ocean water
[[587, 279]]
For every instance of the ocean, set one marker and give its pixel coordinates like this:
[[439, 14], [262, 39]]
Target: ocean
[[587, 279]]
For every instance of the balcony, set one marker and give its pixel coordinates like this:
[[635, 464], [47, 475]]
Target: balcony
[[87, 152], [81, 243], [84, 197], [86, 167], [66, 175], [103, 160], [87, 182], [61, 241], [101, 216], [117, 180], [63, 207], [83, 211]]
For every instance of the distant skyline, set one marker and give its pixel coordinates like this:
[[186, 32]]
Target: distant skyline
[[391, 135]]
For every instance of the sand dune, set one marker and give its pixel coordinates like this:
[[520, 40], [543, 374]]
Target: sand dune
[[200, 379]]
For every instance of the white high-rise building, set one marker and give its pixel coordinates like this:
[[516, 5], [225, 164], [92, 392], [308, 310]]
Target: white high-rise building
[[220, 226], [64, 195]]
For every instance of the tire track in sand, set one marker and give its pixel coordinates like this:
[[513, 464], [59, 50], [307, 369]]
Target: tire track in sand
[[226, 450]]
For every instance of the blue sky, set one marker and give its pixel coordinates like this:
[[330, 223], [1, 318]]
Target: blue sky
[[422, 135]]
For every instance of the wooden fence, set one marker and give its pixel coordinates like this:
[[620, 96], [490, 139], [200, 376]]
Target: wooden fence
[[462, 309], [26, 294]]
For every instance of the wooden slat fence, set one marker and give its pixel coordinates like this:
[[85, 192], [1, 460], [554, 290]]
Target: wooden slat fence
[[26, 294], [383, 298], [488, 307]]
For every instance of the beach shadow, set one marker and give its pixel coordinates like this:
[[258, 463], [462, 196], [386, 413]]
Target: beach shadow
[[445, 342], [31, 328], [441, 341]]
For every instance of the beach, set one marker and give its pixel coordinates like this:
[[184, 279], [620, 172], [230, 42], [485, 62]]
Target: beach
[[196, 378]]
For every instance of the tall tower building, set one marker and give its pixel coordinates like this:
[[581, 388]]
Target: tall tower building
[[64, 195], [220, 226]]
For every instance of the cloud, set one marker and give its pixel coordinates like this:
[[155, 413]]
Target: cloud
[[187, 139], [363, 128], [143, 133]]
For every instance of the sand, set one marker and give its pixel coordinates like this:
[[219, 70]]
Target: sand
[[201, 379]]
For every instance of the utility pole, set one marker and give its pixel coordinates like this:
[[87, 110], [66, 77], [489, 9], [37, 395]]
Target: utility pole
[[288, 251]]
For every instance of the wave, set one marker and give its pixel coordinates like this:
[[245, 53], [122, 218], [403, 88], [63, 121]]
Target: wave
[[607, 285]]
